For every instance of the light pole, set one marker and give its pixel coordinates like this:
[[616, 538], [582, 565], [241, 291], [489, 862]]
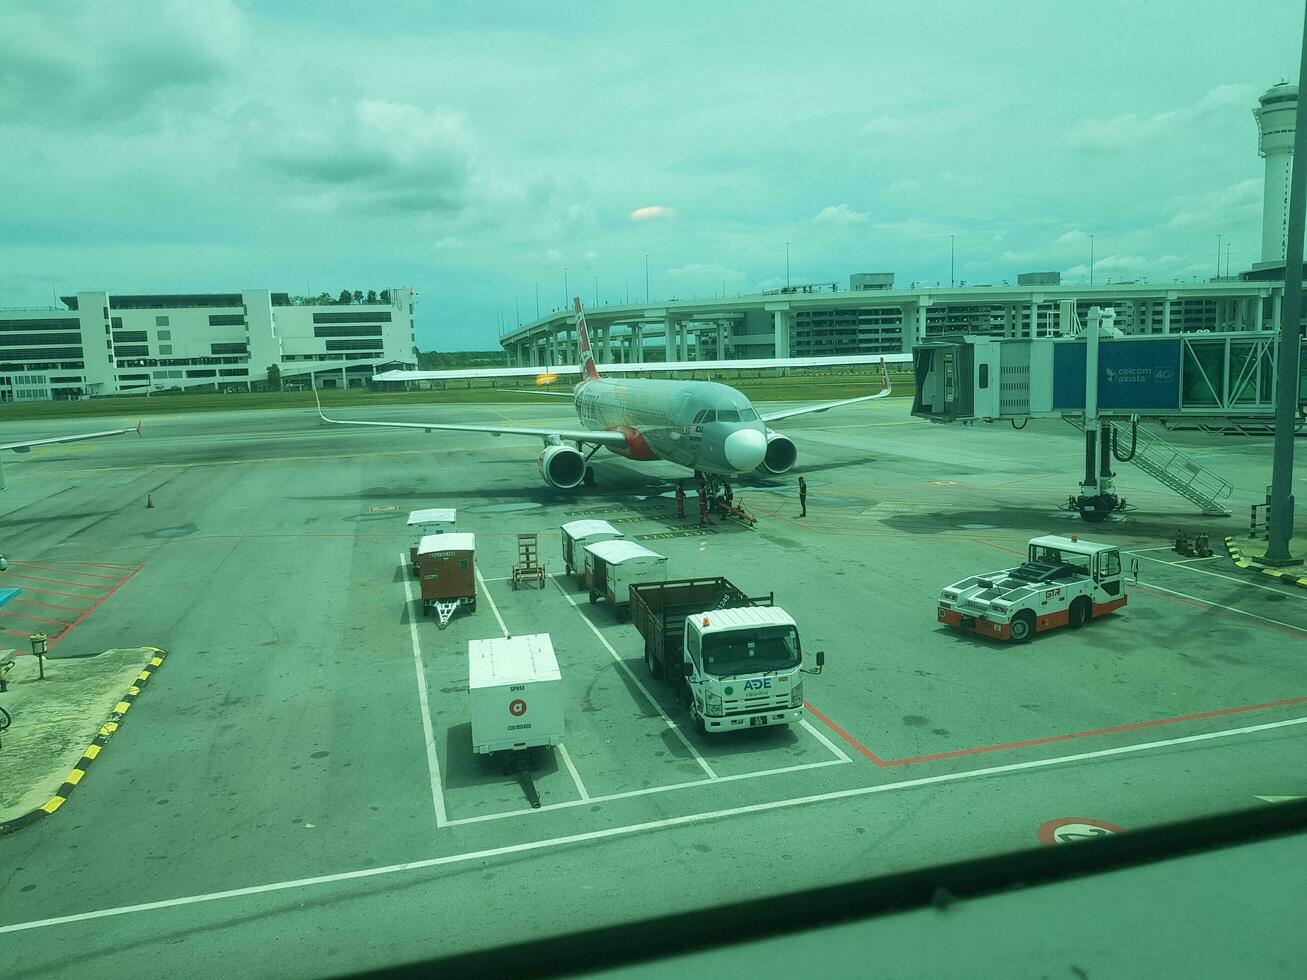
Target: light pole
[[537, 301], [1091, 261], [628, 292], [1227, 259], [1218, 256], [564, 289], [517, 311], [952, 284], [787, 265], [646, 277], [596, 290]]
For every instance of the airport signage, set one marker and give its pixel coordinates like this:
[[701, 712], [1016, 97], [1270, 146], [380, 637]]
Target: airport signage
[[1133, 375]]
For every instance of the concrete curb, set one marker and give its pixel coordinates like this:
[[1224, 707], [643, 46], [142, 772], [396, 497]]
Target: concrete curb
[[1284, 577], [92, 751]]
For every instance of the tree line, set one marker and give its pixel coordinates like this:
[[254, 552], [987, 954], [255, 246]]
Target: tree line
[[346, 298]]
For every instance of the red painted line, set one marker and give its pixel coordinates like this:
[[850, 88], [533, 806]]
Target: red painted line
[[55, 622], [58, 581], [66, 595], [1099, 731], [63, 568], [48, 605], [18, 633], [93, 608], [93, 564], [853, 742]]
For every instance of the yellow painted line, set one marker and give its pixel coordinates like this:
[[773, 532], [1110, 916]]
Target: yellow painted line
[[156, 662], [91, 752], [143, 675], [75, 777], [133, 690], [108, 728], [54, 804], [121, 707]]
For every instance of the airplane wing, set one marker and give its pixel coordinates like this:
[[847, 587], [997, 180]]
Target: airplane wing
[[23, 447], [604, 438], [539, 391], [790, 413]]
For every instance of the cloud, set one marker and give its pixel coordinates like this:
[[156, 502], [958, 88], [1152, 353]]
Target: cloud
[[1237, 204], [1075, 237], [840, 214], [373, 153], [653, 212], [904, 185], [100, 63], [1128, 130], [881, 126]]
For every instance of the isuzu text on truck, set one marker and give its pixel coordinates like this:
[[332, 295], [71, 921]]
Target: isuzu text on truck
[[735, 661], [1063, 582]]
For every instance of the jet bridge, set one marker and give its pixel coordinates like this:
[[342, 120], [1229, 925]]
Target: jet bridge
[[1196, 377]]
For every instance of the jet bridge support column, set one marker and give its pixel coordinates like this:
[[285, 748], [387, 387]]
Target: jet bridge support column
[[1097, 497]]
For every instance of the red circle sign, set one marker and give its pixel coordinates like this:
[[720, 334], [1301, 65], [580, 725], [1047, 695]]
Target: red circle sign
[[517, 707], [1068, 830]]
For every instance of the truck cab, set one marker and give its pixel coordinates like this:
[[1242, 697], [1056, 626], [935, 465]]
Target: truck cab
[[1063, 582], [742, 668]]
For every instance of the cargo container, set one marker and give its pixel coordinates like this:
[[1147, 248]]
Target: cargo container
[[447, 573], [516, 691], [435, 520], [578, 534], [612, 567]]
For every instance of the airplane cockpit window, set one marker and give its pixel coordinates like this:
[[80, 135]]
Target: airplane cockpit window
[[727, 415], [710, 416]]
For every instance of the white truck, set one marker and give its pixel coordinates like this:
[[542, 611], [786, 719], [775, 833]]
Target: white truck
[[735, 661], [1062, 582]]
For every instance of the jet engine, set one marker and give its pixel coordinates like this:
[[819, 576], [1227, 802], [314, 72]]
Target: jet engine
[[781, 456], [562, 467]]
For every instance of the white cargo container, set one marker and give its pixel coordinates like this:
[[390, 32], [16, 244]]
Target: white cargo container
[[421, 523], [578, 534], [612, 567], [516, 691]]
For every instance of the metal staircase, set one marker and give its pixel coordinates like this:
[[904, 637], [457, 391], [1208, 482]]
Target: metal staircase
[[1172, 468]]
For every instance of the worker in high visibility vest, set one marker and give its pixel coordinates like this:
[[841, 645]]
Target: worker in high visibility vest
[[680, 499]]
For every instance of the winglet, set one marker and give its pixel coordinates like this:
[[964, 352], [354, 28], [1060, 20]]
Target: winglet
[[589, 372], [138, 428], [884, 377], [318, 400]]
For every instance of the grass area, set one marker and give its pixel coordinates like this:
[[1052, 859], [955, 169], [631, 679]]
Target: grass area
[[795, 388]]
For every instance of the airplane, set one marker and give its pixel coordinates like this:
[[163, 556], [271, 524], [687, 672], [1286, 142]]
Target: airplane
[[705, 426], [26, 447]]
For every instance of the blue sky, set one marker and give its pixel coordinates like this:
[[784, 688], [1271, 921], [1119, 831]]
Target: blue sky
[[473, 151]]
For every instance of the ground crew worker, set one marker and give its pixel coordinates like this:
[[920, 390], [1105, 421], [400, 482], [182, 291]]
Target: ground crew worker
[[703, 507], [680, 499], [727, 495], [803, 497]]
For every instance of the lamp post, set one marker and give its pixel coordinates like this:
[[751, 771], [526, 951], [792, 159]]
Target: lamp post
[[1218, 256], [1091, 261], [952, 283], [646, 277], [565, 288], [787, 265], [39, 642]]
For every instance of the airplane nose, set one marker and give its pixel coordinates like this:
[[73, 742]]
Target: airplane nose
[[745, 449]]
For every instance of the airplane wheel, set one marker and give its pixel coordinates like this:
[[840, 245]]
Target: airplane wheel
[[589, 478]]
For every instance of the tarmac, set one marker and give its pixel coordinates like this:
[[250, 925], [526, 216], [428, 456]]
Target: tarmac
[[295, 793]]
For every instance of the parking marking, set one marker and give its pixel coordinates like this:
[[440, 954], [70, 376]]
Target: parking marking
[[491, 599], [816, 733], [429, 736], [1228, 578], [627, 830], [703, 763], [576, 776], [1209, 602]]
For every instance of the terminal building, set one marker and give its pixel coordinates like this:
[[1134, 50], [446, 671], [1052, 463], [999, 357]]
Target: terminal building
[[106, 344]]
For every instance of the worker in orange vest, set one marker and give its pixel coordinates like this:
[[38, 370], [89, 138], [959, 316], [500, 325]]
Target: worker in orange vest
[[703, 507], [680, 499]]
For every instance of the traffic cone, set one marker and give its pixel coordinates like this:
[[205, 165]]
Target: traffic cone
[[149, 501]]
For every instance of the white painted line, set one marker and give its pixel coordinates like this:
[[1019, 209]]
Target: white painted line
[[501, 578], [648, 791], [1217, 605], [1229, 578], [491, 599], [424, 703], [576, 776], [703, 763], [1190, 561], [816, 733], [629, 829], [1140, 551]]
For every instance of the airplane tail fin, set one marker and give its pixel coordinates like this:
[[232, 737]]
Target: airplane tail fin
[[589, 372]]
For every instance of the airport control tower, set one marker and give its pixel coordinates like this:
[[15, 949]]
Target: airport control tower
[[1275, 115]]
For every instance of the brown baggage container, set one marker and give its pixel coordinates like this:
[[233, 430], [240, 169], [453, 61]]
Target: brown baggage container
[[447, 570]]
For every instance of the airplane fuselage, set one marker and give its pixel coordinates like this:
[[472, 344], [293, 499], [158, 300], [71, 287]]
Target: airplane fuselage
[[701, 425]]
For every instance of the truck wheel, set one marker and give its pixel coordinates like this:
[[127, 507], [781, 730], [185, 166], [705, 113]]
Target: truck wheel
[[621, 614], [1080, 613], [1023, 627], [650, 661], [472, 605], [594, 597]]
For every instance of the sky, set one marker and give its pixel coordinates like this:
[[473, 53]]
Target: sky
[[485, 154]]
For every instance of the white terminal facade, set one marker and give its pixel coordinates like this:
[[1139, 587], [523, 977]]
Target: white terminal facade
[[873, 317], [104, 344]]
